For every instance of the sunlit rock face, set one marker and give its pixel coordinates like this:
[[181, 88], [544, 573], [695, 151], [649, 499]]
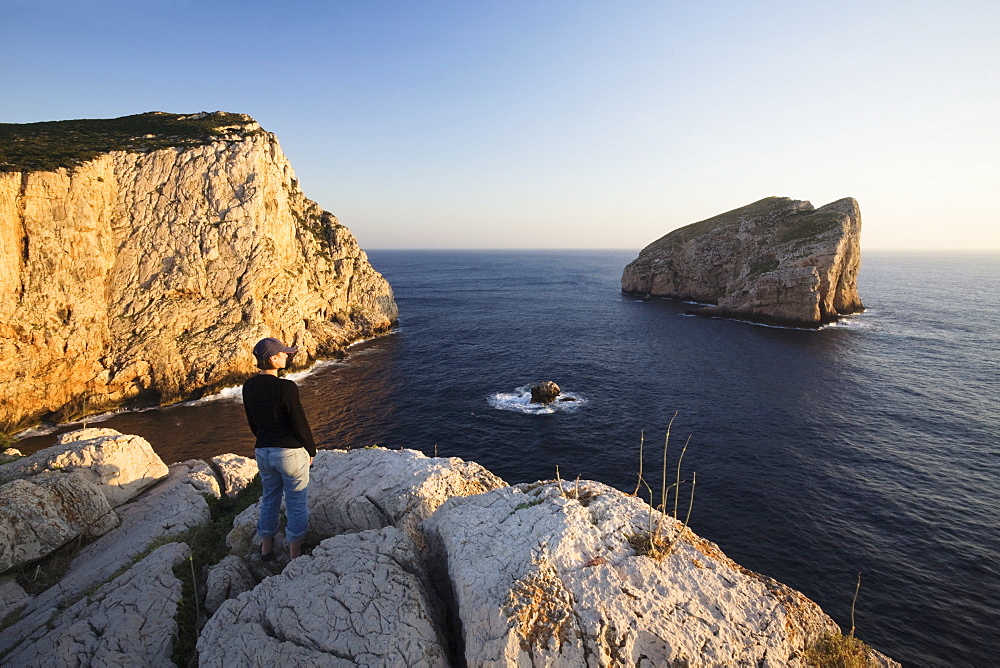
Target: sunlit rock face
[[147, 274], [777, 261]]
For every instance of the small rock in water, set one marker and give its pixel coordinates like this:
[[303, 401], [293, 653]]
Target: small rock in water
[[544, 393]]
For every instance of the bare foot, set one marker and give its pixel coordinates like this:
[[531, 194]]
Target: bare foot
[[295, 549]]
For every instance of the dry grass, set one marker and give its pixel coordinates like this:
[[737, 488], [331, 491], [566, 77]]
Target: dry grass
[[653, 542], [834, 650]]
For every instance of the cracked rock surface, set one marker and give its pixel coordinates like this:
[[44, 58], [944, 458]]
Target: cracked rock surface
[[371, 488], [199, 475], [236, 472], [359, 600], [120, 465], [540, 578], [227, 579], [11, 594], [45, 512], [457, 567], [127, 622], [167, 509]]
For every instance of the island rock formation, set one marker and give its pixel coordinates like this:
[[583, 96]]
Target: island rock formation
[[776, 261], [141, 258]]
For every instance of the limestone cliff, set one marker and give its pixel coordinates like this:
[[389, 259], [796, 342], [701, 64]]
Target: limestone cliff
[[777, 261], [143, 262]]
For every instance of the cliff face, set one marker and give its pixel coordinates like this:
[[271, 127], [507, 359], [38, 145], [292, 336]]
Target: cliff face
[[778, 261], [148, 275]]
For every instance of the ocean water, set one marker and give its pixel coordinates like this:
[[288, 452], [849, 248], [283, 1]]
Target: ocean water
[[869, 447]]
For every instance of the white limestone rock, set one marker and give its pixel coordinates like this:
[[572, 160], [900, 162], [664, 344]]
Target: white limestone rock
[[371, 488], [120, 465], [41, 514], [127, 622], [227, 579], [540, 579], [199, 475], [236, 471], [12, 595], [359, 600], [9, 455], [167, 509]]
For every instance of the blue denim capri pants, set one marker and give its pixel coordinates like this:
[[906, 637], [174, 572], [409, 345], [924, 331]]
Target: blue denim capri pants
[[283, 470]]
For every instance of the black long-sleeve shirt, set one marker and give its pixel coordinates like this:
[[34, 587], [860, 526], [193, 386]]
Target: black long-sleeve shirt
[[275, 414]]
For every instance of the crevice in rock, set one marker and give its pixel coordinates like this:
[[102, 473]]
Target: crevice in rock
[[219, 477], [382, 511], [436, 564]]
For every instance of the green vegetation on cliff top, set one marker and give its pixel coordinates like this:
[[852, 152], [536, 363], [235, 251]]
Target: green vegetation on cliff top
[[779, 219], [49, 145]]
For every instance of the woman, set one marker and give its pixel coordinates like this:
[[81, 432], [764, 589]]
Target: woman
[[284, 448]]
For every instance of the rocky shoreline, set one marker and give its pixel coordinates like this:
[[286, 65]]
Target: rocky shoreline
[[412, 560]]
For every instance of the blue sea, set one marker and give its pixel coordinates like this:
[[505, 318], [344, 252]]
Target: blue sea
[[871, 446]]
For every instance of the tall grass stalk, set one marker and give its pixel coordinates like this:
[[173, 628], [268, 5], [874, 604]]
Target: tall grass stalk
[[663, 480], [197, 606], [694, 481], [856, 589], [638, 482], [677, 492], [653, 544]]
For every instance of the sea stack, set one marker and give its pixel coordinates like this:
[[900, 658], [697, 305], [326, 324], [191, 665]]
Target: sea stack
[[141, 257], [777, 261]]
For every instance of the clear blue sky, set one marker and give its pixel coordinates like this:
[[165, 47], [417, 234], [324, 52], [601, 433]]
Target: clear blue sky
[[559, 124]]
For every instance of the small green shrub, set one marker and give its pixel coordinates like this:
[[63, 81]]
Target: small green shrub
[[528, 504], [584, 496], [834, 650], [6, 441], [650, 544]]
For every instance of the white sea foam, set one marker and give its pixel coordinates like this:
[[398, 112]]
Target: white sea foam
[[843, 322], [90, 420], [234, 394], [519, 401]]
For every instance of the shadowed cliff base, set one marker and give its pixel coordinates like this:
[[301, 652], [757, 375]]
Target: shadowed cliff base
[[147, 257], [777, 261]]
